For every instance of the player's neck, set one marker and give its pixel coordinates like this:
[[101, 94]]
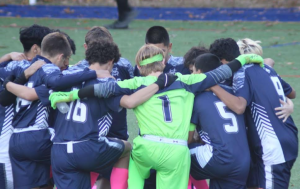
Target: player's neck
[[29, 55], [97, 66], [156, 74]]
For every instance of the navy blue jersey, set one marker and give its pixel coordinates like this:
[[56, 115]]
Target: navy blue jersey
[[36, 113], [269, 138], [121, 70], [7, 113], [221, 128], [87, 119], [174, 64]]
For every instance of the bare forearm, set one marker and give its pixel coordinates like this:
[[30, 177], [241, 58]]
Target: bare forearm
[[292, 95], [5, 57], [139, 97], [22, 91], [236, 104]]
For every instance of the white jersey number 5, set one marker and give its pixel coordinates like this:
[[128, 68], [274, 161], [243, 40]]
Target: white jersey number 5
[[229, 128]]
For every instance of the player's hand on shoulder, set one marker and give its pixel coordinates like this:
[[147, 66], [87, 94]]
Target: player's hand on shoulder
[[103, 74], [250, 58], [285, 110], [17, 56], [33, 68], [165, 80]]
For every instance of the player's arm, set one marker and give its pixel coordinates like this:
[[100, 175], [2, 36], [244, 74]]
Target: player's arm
[[108, 89], [22, 91], [53, 78], [13, 56], [6, 97], [236, 104], [139, 97], [199, 82]]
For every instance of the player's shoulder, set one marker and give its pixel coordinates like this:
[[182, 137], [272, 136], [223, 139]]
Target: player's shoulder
[[73, 69], [240, 75], [50, 68], [137, 82], [17, 63], [82, 64], [175, 61], [124, 62]]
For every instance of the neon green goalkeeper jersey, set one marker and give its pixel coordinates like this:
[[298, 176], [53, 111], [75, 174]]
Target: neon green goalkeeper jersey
[[168, 112]]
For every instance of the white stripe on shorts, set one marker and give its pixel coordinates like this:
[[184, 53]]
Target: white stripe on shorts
[[269, 177]]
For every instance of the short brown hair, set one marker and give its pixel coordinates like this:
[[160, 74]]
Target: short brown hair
[[96, 33], [54, 44], [147, 51]]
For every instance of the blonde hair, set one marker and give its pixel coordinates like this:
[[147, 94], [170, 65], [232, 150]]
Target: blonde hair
[[248, 46], [148, 51]]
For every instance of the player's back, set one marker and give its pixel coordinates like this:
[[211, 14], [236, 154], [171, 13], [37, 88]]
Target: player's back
[[221, 128], [87, 119], [168, 112], [273, 140]]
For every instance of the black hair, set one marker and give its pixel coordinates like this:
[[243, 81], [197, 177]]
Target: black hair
[[207, 62], [71, 41], [157, 34], [225, 49], [33, 35], [102, 51], [194, 52]]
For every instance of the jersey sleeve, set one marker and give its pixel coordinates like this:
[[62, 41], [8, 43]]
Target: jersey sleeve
[[199, 82], [136, 71], [54, 79], [43, 93], [192, 127], [113, 103], [286, 87], [241, 86]]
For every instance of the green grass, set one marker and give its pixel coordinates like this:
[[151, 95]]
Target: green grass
[[183, 36]]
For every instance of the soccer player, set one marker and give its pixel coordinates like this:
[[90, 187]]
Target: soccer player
[[121, 70], [100, 151], [159, 36], [191, 55], [31, 38], [162, 144], [31, 115], [225, 157], [273, 144]]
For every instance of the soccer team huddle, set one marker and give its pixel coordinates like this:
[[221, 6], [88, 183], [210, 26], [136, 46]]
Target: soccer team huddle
[[220, 113]]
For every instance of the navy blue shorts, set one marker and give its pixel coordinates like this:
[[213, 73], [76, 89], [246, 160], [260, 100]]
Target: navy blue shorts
[[222, 175], [270, 176], [150, 183], [2, 176], [72, 170], [30, 158]]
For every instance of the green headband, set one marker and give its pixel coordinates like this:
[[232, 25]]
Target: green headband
[[158, 57]]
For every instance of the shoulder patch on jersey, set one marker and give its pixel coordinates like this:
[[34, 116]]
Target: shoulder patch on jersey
[[14, 64], [175, 61], [50, 68], [239, 78]]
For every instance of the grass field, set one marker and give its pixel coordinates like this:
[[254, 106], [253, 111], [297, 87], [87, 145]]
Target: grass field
[[183, 36]]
